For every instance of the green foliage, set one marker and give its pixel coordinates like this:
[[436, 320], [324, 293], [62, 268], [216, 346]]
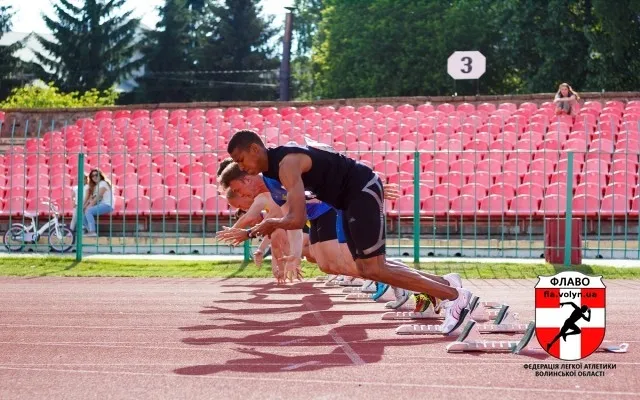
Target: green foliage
[[375, 48], [94, 45], [235, 38], [169, 56], [10, 66], [32, 96]]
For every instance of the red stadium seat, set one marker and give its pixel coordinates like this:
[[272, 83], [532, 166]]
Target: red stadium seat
[[524, 205], [585, 205], [464, 205], [615, 205], [493, 205]]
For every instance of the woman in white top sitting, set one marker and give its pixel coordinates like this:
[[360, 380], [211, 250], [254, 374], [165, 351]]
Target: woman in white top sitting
[[75, 201], [99, 201], [566, 100]]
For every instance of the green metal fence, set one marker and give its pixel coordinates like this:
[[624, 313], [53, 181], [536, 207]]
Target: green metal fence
[[506, 196]]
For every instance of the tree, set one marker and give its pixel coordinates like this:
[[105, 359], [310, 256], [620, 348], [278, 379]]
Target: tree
[[371, 48], [307, 17], [94, 46], [49, 96], [12, 70], [236, 39], [614, 57], [169, 56]]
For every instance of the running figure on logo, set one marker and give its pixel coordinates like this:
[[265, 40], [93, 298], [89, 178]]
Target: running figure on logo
[[570, 324]]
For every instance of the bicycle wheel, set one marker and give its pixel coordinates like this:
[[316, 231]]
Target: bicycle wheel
[[13, 239], [63, 243]]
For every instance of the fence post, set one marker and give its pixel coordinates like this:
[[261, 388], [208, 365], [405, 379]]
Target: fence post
[[79, 208], [247, 251], [569, 213], [416, 207]]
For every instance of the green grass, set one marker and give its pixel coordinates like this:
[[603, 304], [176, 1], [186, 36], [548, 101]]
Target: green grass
[[67, 266]]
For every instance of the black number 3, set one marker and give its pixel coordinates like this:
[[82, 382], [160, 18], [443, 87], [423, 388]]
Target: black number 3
[[467, 61]]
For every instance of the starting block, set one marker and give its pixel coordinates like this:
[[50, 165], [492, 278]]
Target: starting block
[[468, 341], [419, 329], [353, 283], [359, 296], [487, 311], [321, 278], [357, 290], [524, 345], [504, 323]]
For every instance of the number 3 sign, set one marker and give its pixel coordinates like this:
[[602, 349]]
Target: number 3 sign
[[466, 65]]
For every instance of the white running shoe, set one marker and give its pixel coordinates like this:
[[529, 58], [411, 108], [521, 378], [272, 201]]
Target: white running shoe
[[453, 279], [453, 310], [402, 295]]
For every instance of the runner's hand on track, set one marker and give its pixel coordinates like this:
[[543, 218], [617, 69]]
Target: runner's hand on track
[[232, 236]]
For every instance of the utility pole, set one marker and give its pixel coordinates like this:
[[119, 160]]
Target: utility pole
[[285, 65]]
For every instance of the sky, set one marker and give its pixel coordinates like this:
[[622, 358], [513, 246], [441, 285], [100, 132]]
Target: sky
[[28, 12]]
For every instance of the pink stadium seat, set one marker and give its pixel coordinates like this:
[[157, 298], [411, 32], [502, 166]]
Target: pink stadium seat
[[524, 205], [493, 205], [508, 178], [596, 165], [163, 205], [508, 191], [531, 189], [174, 179], [448, 190], [594, 177], [464, 205], [585, 205], [553, 205], [436, 205], [132, 190], [619, 188], [216, 206], [537, 177], [463, 166], [516, 166], [404, 207], [425, 190], [482, 178], [592, 189], [474, 189], [149, 180], [190, 205], [491, 166], [626, 177], [615, 205], [457, 179]]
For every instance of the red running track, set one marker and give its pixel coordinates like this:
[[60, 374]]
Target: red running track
[[82, 338]]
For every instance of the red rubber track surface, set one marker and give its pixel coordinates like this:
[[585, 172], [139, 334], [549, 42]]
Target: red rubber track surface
[[117, 338]]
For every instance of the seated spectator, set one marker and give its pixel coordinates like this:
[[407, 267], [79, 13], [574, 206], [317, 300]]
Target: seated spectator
[[75, 201], [566, 100], [100, 200]]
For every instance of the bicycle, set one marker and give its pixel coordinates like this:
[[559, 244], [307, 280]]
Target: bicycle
[[19, 234]]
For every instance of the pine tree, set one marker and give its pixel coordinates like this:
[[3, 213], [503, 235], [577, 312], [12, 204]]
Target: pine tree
[[11, 68], [94, 46], [237, 39], [169, 56]]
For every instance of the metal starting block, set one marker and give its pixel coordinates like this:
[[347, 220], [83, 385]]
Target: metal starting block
[[354, 283], [467, 342], [359, 296], [487, 311], [357, 290], [525, 344], [419, 329], [504, 323], [321, 278]]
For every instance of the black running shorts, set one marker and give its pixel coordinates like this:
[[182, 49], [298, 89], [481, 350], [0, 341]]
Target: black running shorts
[[323, 228], [364, 221]]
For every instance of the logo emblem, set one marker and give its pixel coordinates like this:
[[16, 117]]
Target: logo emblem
[[570, 314]]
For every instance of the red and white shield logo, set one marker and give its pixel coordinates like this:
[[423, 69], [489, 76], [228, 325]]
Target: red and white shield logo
[[570, 314]]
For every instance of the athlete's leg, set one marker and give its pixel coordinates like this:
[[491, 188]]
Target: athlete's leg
[[366, 229], [306, 249]]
